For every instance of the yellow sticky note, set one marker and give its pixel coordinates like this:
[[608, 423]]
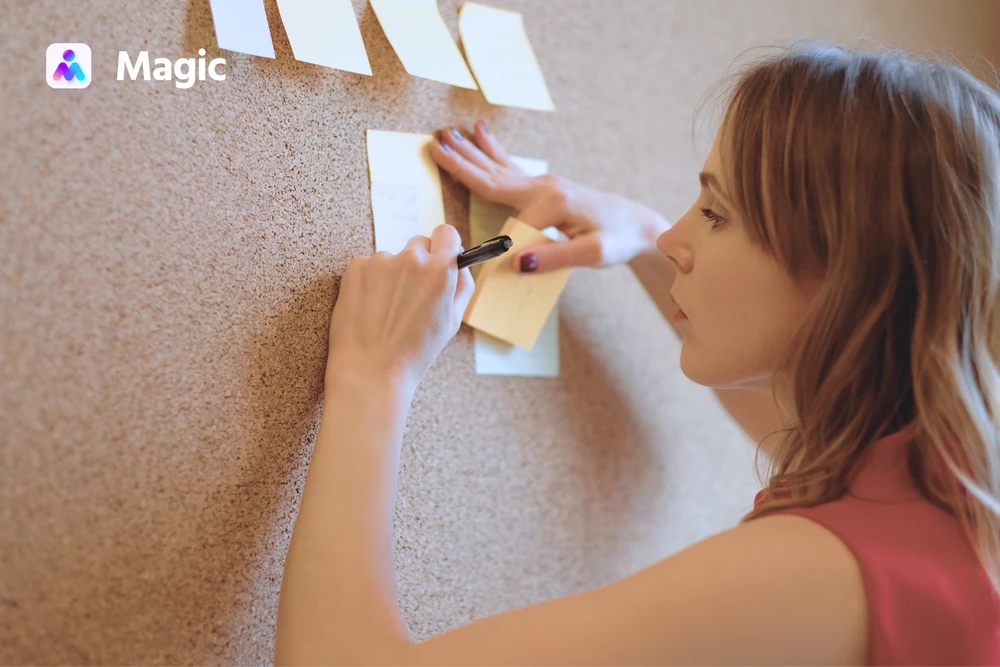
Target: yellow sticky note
[[511, 306], [420, 38], [406, 188], [325, 32], [501, 57]]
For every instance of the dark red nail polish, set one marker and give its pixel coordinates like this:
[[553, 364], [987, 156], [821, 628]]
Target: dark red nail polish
[[529, 262]]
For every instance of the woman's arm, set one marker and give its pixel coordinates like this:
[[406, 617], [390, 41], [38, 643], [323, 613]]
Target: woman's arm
[[394, 315], [338, 594]]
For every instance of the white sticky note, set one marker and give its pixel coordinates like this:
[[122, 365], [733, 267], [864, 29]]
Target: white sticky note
[[406, 188], [420, 38], [241, 25], [494, 356], [325, 32], [501, 57]]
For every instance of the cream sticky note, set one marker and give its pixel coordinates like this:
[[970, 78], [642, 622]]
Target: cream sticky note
[[494, 356], [420, 38], [501, 57], [325, 32], [511, 306], [241, 25], [406, 188]]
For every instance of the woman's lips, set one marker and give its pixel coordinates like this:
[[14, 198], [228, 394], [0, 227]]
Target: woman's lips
[[679, 314]]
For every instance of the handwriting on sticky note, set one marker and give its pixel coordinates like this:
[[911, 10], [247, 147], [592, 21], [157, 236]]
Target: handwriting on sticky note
[[325, 32], [396, 209], [511, 306], [420, 38], [501, 57]]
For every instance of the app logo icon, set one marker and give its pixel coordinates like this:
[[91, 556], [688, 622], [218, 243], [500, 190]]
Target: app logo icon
[[67, 66]]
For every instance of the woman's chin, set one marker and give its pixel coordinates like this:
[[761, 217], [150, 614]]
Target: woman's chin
[[702, 371], [690, 367]]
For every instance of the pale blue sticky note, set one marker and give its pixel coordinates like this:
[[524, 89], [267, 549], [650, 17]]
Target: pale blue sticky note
[[497, 357], [241, 25], [494, 356]]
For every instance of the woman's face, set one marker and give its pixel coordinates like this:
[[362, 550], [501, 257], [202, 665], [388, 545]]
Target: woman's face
[[740, 308]]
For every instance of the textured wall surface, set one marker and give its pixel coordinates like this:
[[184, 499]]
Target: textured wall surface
[[169, 262]]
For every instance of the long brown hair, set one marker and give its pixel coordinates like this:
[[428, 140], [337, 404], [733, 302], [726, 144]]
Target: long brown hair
[[880, 173]]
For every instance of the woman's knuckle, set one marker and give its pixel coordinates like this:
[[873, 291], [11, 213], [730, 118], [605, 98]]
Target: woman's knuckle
[[412, 258], [559, 192], [488, 187], [549, 181]]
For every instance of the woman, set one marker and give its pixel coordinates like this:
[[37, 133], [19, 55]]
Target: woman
[[837, 281]]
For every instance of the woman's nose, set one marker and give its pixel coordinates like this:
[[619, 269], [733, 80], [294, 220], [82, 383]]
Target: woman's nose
[[673, 248], [662, 243]]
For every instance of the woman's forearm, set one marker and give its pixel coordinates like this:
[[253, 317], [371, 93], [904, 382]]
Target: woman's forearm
[[338, 596]]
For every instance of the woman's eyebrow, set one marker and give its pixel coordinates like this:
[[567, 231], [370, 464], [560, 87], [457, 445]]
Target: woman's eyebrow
[[709, 180]]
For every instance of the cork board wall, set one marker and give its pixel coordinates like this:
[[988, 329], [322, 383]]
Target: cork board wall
[[170, 260]]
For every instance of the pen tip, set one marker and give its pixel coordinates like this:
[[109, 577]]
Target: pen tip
[[507, 242]]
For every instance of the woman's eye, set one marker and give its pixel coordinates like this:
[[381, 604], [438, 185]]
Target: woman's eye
[[713, 216]]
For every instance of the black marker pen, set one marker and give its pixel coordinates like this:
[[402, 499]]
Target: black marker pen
[[488, 250]]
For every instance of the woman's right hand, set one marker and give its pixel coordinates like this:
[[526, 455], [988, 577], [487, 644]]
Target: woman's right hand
[[603, 229]]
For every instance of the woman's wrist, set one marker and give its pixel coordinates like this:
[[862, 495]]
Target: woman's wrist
[[361, 381]]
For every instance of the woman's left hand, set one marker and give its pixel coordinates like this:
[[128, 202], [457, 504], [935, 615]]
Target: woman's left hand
[[395, 313]]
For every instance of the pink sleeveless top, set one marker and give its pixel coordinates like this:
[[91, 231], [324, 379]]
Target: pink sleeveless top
[[929, 599]]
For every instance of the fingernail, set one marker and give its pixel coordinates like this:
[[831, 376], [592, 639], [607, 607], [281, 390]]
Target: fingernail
[[482, 125], [455, 133], [445, 147], [529, 262]]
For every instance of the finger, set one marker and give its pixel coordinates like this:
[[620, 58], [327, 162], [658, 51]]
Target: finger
[[349, 283], [452, 137], [418, 242], [489, 145], [479, 182], [445, 242], [349, 277], [584, 250]]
